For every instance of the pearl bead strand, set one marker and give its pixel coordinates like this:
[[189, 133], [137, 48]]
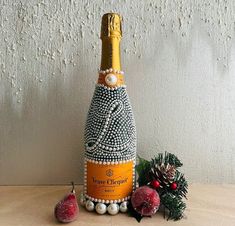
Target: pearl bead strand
[[103, 206], [110, 70]]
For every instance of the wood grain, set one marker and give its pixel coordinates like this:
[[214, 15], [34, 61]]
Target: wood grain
[[208, 205]]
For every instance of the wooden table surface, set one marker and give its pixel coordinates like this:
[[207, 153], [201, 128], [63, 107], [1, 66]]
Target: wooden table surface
[[208, 205]]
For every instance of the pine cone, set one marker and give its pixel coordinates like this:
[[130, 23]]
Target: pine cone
[[165, 174]]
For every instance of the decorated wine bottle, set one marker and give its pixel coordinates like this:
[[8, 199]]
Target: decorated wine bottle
[[110, 133]]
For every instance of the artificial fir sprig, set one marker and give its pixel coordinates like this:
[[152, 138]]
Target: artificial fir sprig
[[167, 158], [169, 182], [174, 205]]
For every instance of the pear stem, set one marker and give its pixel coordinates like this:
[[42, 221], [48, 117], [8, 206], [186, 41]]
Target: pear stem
[[73, 187]]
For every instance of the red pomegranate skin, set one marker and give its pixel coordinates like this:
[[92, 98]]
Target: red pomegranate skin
[[67, 209], [145, 201]]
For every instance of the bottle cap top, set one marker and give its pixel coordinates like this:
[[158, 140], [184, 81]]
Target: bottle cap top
[[111, 25]]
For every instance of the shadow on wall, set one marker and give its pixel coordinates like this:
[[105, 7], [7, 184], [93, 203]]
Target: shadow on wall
[[43, 142]]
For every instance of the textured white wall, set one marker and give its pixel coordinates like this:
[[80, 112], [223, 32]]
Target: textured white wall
[[179, 59]]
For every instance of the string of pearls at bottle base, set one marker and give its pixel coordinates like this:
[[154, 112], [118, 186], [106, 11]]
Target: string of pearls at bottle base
[[102, 208]]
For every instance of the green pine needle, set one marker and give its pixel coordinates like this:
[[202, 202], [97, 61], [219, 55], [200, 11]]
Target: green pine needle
[[167, 158], [174, 205]]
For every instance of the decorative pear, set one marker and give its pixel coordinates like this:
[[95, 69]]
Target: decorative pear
[[67, 209]]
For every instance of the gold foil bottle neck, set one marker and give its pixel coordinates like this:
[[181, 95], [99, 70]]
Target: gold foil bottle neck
[[111, 25]]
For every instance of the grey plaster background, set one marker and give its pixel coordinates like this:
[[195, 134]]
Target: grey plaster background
[[179, 60]]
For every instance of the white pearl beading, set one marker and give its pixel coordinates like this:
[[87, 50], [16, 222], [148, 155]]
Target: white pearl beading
[[107, 162], [111, 88], [111, 79], [110, 70], [118, 148], [102, 208], [107, 201], [113, 209], [102, 122], [123, 207]]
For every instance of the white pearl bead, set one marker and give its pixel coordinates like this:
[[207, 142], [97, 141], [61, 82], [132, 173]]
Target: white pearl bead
[[82, 199], [100, 208], [110, 79], [113, 209], [90, 205], [123, 207]]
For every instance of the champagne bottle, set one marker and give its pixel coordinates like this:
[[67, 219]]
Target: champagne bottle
[[110, 133]]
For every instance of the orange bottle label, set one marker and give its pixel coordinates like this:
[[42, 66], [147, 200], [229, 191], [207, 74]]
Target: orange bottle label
[[109, 182]]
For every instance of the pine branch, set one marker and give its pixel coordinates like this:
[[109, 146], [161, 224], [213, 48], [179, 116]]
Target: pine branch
[[182, 184], [174, 205], [165, 159]]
